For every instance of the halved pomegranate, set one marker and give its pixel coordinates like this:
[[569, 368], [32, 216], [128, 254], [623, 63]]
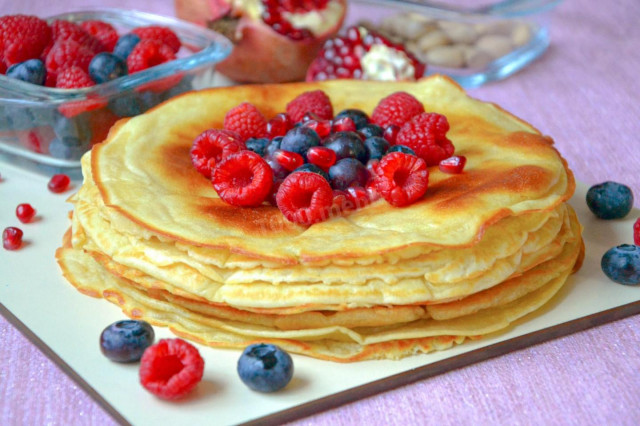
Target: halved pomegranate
[[275, 40], [364, 54]]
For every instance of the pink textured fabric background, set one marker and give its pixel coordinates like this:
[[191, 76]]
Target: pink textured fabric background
[[584, 93]]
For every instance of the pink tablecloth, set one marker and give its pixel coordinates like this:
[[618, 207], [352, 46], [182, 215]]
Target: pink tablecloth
[[584, 93]]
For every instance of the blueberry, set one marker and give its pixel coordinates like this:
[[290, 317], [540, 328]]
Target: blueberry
[[299, 140], [73, 131], [126, 340], [348, 172], [308, 167], [610, 200], [265, 367], [346, 145], [31, 71], [185, 85], [257, 145], [105, 67], [125, 45], [376, 147], [622, 264], [359, 117], [370, 130], [273, 146], [401, 148], [20, 118], [67, 148]]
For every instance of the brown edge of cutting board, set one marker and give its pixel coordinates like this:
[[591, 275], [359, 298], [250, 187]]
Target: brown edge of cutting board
[[371, 388]]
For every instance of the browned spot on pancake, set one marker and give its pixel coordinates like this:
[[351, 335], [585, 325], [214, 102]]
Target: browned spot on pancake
[[526, 142], [463, 190], [256, 221]]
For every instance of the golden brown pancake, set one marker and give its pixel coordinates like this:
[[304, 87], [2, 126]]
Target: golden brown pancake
[[478, 251]]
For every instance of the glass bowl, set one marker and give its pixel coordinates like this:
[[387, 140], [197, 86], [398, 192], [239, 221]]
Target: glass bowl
[[471, 44], [48, 129]]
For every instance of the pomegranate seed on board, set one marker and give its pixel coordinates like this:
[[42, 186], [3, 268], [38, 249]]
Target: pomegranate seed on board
[[59, 183], [344, 124], [278, 125], [322, 127], [12, 238], [289, 160], [391, 133], [453, 165], [25, 212]]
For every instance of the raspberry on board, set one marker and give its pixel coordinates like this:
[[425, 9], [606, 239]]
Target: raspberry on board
[[147, 54], [104, 32], [401, 178], [171, 368], [425, 134], [305, 198], [211, 147], [397, 109], [243, 179], [246, 120], [315, 101], [161, 34]]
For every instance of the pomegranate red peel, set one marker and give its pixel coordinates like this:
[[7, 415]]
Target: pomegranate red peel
[[261, 54]]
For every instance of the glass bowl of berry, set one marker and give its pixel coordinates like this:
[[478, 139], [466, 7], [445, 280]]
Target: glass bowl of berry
[[65, 80], [471, 41]]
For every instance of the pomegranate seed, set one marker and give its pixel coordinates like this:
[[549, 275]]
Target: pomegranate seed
[[59, 183], [278, 125], [453, 165], [25, 212], [12, 238], [391, 133], [344, 124], [372, 192], [340, 202], [321, 156], [322, 127], [311, 116], [358, 196], [287, 159], [636, 232]]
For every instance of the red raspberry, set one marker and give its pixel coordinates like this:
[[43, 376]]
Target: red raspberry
[[305, 198], [425, 134], [67, 30], [171, 368], [636, 232], [397, 108], [73, 77], [22, 37], [103, 32], [246, 120], [211, 147], [147, 54], [65, 54], [162, 34], [401, 178], [243, 179], [315, 101]]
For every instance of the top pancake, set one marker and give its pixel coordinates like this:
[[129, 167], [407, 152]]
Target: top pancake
[[143, 171]]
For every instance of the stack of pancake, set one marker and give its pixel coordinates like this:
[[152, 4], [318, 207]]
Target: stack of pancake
[[478, 251]]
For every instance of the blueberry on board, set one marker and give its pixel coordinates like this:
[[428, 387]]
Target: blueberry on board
[[257, 145], [370, 130], [32, 71], [265, 367], [309, 167], [105, 67], [346, 145], [360, 118], [125, 45], [348, 172], [299, 140], [401, 148], [376, 147], [610, 200], [126, 340], [622, 264]]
